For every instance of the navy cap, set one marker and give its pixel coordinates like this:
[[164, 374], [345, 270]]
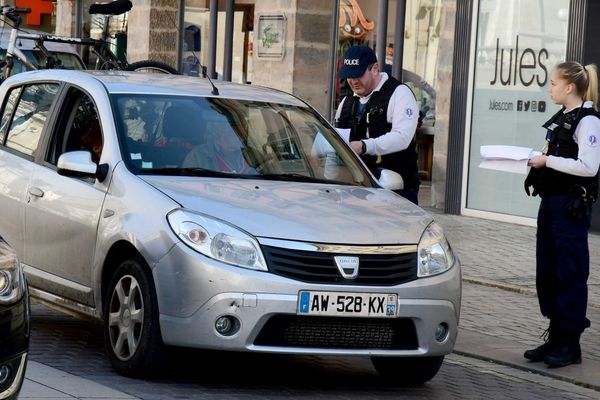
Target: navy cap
[[356, 60]]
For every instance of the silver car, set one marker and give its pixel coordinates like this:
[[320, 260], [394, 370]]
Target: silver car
[[223, 217]]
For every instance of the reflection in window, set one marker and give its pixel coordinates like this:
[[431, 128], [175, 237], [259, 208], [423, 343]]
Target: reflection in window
[[8, 110], [30, 116]]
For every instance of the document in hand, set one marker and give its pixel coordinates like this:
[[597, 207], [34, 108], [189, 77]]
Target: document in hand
[[506, 158]]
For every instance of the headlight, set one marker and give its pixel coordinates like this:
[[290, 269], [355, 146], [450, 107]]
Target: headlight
[[434, 253], [217, 239], [12, 284]]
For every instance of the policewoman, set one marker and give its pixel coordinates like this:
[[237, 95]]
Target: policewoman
[[566, 177], [382, 116]]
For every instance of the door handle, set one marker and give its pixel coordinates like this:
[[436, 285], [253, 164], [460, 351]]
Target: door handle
[[37, 192]]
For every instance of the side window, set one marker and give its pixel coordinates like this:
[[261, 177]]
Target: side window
[[29, 118], [9, 107], [78, 128]]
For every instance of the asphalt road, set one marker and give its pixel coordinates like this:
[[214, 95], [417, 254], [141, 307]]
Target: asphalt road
[[76, 346]]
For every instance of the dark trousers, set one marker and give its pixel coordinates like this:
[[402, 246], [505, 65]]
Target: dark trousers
[[563, 264]]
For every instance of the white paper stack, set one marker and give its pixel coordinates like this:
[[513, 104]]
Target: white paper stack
[[506, 158]]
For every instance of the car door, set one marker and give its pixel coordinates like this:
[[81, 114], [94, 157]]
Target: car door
[[23, 122], [61, 218]]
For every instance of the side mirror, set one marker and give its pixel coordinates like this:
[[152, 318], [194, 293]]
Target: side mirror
[[79, 164], [391, 180]]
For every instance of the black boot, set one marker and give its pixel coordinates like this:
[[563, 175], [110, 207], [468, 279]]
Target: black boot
[[568, 351], [551, 343]]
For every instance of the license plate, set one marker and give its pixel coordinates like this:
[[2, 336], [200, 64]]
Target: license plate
[[346, 304]]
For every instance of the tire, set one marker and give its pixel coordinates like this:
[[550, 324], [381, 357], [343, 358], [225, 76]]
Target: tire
[[131, 312], [407, 370], [152, 66]]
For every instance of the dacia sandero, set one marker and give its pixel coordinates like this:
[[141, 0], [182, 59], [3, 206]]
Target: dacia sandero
[[182, 212]]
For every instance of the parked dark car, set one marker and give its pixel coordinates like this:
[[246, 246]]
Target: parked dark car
[[14, 323]]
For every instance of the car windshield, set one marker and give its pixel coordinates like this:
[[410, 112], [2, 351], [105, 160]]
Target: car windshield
[[219, 137]]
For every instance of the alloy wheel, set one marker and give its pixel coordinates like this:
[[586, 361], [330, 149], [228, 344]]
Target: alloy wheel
[[126, 317]]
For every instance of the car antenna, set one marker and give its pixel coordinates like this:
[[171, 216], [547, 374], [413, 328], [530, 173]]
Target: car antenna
[[215, 91]]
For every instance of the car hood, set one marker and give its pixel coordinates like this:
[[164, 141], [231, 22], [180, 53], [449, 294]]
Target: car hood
[[311, 212]]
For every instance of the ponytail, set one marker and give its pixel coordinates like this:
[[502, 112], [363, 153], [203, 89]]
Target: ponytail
[[591, 93], [585, 79]]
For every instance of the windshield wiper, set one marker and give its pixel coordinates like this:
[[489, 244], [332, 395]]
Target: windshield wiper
[[295, 177], [189, 172]]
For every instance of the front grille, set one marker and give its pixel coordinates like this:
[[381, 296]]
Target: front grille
[[319, 267], [338, 333]]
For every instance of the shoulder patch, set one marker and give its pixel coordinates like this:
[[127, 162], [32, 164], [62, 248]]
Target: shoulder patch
[[592, 140], [409, 113]]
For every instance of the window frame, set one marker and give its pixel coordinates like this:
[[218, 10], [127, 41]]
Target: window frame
[[48, 123]]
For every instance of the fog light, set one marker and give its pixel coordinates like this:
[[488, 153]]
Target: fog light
[[227, 325], [4, 374], [441, 332]]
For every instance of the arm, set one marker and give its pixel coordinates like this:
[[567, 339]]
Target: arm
[[403, 114], [588, 158]]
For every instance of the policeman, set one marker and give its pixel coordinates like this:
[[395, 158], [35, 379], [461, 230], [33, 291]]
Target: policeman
[[382, 116], [566, 177]]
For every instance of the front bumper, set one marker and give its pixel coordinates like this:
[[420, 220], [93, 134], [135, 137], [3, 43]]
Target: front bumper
[[14, 331], [194, 291]]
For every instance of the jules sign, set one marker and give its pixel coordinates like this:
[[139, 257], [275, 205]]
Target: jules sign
[[517, 45]]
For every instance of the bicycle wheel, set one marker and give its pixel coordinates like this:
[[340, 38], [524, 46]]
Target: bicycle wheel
[[152, 66]]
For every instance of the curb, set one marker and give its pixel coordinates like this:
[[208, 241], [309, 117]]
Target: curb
[[508, 287], [509, 353], [542, 372]]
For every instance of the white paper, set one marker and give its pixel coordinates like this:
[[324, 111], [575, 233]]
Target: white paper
[[514, 166], [344, 133], [506, 158], [502, 152]]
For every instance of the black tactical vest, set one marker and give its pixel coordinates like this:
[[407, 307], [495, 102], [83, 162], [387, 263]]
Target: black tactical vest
[[561, 128], [403, 162]]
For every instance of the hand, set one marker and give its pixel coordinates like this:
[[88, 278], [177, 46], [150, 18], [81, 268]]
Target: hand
[[537, 161], [357, 147]]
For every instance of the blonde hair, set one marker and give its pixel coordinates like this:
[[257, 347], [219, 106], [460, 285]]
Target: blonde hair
[[585, 79]]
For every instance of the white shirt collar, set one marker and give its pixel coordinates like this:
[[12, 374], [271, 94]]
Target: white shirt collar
[[384, 77]]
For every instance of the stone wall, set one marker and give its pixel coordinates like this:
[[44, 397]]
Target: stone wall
[[66, 18], [304, 67], [442, 106], [153, 31], [312, 52], [273, 72]]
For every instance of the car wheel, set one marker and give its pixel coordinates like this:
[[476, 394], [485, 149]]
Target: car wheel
[[407, 370], [131, 328]]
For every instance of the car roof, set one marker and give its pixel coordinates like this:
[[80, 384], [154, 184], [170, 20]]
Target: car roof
[[26, 44], [121, 82]]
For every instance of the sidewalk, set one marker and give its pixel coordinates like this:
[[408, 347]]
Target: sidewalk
[[44, 382], [500, 316]]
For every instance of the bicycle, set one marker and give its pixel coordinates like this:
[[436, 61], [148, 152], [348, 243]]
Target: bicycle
[[105, 58]]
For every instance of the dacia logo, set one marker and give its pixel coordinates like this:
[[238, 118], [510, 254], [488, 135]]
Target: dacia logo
[[354, 61], [347, 265]]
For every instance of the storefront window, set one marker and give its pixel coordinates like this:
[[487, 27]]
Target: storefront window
[[195, 40], [92, 27], [357, 26], [518, 43]]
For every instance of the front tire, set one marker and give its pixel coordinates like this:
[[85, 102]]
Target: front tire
[[131, 328], [152, 66], [407, 370]]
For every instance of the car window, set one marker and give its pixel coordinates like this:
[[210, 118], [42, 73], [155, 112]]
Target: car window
[[7, 112], [78, 128], [30, 116], [180, 135]]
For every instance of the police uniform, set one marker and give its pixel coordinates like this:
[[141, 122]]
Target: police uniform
[[568, 186], [385, 121]]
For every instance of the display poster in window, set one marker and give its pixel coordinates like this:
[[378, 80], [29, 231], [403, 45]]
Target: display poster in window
[[517, 45]]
